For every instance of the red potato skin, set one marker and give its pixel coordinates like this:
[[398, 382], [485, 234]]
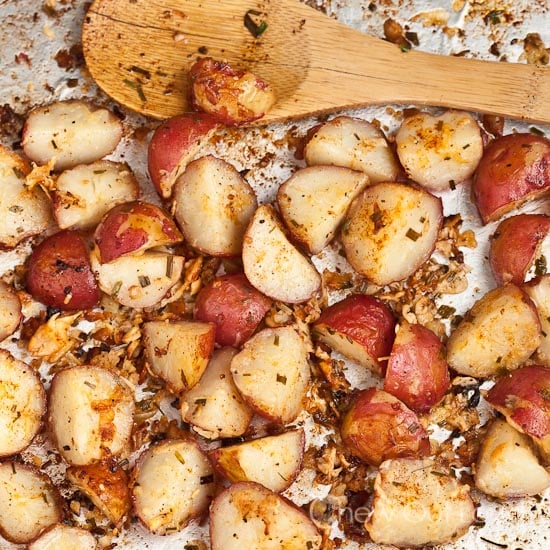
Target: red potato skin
[[514, 168], [514, 244], [417, 372], [234, 306], [523, 396], [378, 427], [364, 319], [59, 273], [134, 226], [172, 144]]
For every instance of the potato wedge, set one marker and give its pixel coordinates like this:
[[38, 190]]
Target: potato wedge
[[501, 331], [248, 515], [214, 406], [24, 212], [272, 264], [272, 373], [273, 461], [178, 352], [354, 143], [390, 231], [91, 414], [23, 401], [173, 482], [314, 201], [212, 205], [66, 537], [85, 193], [29, 502], [507, 466], [418, 503], [138, 281], [106, 485], [70, 133]]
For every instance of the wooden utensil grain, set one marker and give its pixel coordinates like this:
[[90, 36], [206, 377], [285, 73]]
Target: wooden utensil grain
[[139, 53]]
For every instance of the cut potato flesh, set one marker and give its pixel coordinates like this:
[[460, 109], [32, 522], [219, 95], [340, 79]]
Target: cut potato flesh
[[29, 503], [23, 404], [501, 331], [173, 483], [24, 212], [91, 413], [70, 133], [248, 515], [214, 406], [273, 461], [272, 264], [418, 503], [314, 201], [539, 291], [178, 352], [272, 373], [85, 193], [138, 281], [390, 231], [64, 537], [213, 205], [10, 310], [353, 143], [507, 466]]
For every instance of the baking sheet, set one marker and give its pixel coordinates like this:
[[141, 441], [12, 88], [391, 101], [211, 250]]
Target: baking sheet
[[40, 63]]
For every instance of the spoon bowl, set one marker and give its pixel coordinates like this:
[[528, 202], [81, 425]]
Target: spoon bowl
[[140, 51]]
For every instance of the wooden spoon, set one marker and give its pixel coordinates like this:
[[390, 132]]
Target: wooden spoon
[[139, 53]]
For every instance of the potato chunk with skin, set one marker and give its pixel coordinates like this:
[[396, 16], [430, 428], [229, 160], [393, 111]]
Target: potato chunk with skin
[[418, 503], [501, 331], [214, 406], [29, 502], [65, 537], [70, 133], [439, 151], [247, 515], [23, 400], [272, 373], [173, 483], [91, 414], [507, 466], [353, 143]]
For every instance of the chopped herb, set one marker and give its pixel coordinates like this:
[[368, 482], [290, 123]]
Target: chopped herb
[[179, 457], [116, 288], [404, 48], [488, 541], [412, 234], [16, 209], [445, 311], [200, 402], [45, 498], [281, 379], [99, 172], [438, 474], [204, 480], [544, 393], [536, 131], [412, 37], [169, 266], [466, 146], [144, 281], [254, 26], [452, 185], [276, 340], [540, 266], [183, 379], [139, 70], [137, 87], [54, 144], [89, 384]]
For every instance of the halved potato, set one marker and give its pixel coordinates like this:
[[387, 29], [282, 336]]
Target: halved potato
[[106, 485], [138, 281], [354, 143], [173, 482], [418, 503], [24, 212], [272, 264], [314, 201], [390, 231], [248, 515], [10, 310], [273, 461], [507, 466], [538, 290], [178, 352], [70, 133], [83, 194], [23, 400], [501, 331], [272, 373], [214, 406], [29, 502], [212, 205], [91, 414], [65, 537]]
